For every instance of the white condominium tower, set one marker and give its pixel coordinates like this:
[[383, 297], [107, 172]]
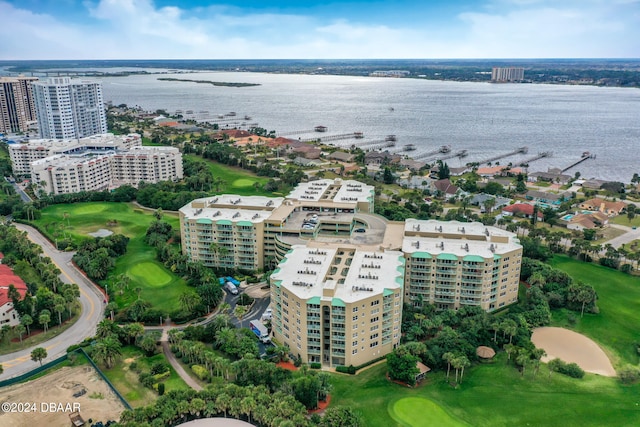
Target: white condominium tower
[[69, 108]]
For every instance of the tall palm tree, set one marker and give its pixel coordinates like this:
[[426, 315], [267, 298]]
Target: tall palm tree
[[107, 351], [448, 357], [240, 312]]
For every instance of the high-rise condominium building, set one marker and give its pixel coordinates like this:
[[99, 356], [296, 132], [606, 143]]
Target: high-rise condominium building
[[68, 108], [17, 110], [507, 74]]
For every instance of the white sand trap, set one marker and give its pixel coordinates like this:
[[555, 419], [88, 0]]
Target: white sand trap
[[101, 233], [572, 347]]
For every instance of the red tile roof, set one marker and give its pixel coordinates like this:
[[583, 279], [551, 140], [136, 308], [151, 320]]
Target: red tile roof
[[8, 277], [521, 208]]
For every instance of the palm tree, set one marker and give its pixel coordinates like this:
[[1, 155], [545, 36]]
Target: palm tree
[[537, 354], [39, 354], [44, 318], [189, 301], [248, 405], [448, 357], [134, 330], [509, 348], [59, 306], [26, 320], [523, 358], [107, 350], [106, 328], [239, 312], [222, 402], [20, 330], [464, 362], [509, 327]]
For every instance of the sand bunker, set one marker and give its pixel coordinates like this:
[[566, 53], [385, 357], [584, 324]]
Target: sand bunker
[[573, 347], [101, 233]]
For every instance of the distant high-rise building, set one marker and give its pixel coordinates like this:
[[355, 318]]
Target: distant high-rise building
[[507, 74], [68, 109], [17, 111]]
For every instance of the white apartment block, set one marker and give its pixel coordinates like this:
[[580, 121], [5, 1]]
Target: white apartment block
[[507, 74], [453, 264], [22, 155], [338, 305], [69, 108], [17, 108], [64, 173]]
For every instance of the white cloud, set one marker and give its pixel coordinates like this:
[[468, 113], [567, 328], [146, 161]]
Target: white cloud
[[501, 28]]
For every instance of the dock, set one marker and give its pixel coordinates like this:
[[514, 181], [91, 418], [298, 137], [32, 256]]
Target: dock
[[442, 150], [585, 156], [537, 157], [353, 135], [521, 150]]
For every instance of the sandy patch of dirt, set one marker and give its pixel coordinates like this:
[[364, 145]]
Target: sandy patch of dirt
[[573, 347], [98, 402]]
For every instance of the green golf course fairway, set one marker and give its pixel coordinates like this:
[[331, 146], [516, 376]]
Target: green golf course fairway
[[421, 412], [150, 274], [243, 182], [157, 284]]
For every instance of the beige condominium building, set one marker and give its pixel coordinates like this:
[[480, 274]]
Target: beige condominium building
[[343, 272], [17, 108], [90, 171], [23, 155], [453, 264], [338, 305]]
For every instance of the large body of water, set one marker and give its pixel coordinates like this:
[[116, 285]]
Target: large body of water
[[485, 119]]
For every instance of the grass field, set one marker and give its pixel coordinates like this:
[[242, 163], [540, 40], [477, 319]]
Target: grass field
[[615, 328], [158, 285], [126, 381], [623, 220], [490, 395], [236, 180]]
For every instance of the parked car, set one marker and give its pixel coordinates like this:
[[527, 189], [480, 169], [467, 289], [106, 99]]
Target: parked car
[[359, 230]]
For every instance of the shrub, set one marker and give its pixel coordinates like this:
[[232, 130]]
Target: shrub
[[160, 389], [159, 367], [572, 370], [161, 377], [146, 379], [629, 375], [201, 372], [134, 366], [245, 299], [315, 365], [346, 369]]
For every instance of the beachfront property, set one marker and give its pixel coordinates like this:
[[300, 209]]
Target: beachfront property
[[95, 163], [338, 305], [453, 264], [69, 108], [17, 108]]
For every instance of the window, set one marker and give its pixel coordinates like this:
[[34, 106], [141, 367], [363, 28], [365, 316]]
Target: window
[[373, 344], [355, 318], [355, 309], [376, 302], [373, 336], [354, 351], [374, 319]]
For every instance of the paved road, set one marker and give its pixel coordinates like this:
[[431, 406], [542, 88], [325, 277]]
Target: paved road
[[629, 236], [91, 300]]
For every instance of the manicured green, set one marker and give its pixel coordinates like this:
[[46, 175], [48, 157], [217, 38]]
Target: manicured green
[[126, 381], [615, 328], [236, 180], [149, 274], [158, 285], [490, 395], [420, 412]]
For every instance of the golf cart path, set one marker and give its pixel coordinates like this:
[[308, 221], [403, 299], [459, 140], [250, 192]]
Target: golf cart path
[[571, 346]]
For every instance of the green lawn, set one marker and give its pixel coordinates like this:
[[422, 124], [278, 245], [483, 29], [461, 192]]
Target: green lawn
[[126, 381], [490, 395], [158, 285], [615, 328], [623, 220], [236, 180]]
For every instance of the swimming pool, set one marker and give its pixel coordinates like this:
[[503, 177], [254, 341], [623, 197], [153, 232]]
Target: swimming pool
[[567, 217]]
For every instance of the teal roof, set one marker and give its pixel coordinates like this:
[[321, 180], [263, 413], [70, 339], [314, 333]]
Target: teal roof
[[400, 281], [223, 222], [473, 258], [277, 283], [314, 300], [204, 221], [497, 257], [337, 302], [387, 292], [245, 223], [450, 257], [421, 255]]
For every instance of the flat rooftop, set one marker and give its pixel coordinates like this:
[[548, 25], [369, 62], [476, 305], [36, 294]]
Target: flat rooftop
[[316, 272]]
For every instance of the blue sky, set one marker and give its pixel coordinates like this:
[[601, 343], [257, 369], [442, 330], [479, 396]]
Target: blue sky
[[250, 29]]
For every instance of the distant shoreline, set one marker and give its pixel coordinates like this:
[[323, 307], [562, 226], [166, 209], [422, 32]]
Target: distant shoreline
[[228, 84]]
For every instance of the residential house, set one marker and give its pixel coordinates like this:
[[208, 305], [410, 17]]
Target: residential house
[[8, 315], [446, 187], [523, 210], [552, 175], [378, 158], [546, 198], [587, 221], [607, 207], [341, 156]]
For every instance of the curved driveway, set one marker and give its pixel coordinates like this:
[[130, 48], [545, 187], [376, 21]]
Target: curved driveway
[[91, 301]]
